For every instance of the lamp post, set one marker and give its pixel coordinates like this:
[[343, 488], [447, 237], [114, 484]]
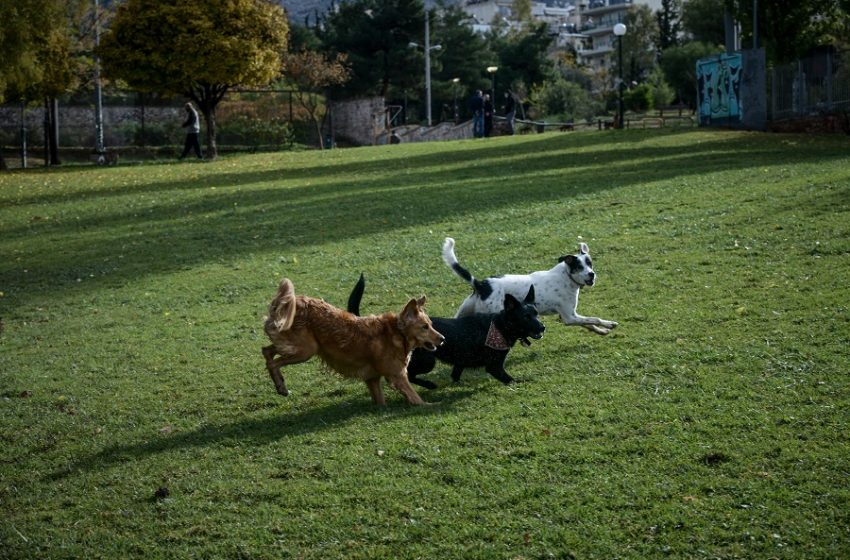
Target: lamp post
[[428, 48], [455, 82], [492, 71], [98, 94], [619, 31]]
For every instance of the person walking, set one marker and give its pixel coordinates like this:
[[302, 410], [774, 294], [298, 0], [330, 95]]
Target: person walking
[[476, 105], [510, 111], [193, 132]]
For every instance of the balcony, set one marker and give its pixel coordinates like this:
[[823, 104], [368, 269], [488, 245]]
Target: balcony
[[601, 7]]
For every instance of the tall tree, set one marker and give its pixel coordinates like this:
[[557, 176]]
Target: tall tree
[[196, 48], [639, 52], [523, 56], [376, 34], [702, 20], [464, 54], [37, 42], [669, 25], [788, 29]]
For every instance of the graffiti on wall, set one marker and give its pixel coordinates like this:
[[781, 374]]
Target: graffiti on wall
[[719, 84]]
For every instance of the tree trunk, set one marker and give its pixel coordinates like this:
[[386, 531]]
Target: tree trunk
[[54, 131], [3, 166], [209, 120], [318, 131], [207, 96]]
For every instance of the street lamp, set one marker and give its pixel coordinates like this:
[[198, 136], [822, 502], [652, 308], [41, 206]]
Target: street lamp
[[619, 31], [492, 71], [428, 48], [455, 82]]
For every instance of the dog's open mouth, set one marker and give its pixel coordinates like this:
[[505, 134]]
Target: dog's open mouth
[[430, 347], [525, 342]]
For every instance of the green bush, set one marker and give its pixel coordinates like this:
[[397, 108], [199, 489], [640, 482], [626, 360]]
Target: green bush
[[242, 130], [638, 99], [560, 97]]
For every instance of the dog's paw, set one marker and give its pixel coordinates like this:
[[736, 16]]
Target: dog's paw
[[283, 391], [610, 324]]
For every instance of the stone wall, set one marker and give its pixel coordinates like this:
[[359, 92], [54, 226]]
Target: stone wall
[[359, 122]]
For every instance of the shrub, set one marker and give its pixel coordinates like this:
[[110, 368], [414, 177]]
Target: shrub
[[560, 97], [243, 130], [638, 99]]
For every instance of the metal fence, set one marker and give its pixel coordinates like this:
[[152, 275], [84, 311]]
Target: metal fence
[[143, 126], [816, 85]]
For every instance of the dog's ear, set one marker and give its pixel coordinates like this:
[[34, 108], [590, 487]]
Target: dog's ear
[[569, 259], [529, 297], [511, 302], [584, 249], [410, 311], [421, 301]]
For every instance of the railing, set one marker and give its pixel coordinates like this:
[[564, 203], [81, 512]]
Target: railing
[[815, 85]]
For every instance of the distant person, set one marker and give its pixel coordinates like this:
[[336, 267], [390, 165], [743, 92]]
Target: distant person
[[193, 132], [488, 115], [476, 105], [510, 111]]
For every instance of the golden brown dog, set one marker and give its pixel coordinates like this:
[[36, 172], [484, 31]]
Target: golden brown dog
[[366, 348]]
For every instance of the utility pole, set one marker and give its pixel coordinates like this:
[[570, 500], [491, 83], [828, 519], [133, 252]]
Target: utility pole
[[427, 69], [98, 93]]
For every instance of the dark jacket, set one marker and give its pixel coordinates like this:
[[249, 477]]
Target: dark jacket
[[476, 104]]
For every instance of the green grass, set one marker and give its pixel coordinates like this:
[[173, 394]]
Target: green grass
[[713, 423]]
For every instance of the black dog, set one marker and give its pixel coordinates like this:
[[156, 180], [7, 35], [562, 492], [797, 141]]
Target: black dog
[[479, 340]]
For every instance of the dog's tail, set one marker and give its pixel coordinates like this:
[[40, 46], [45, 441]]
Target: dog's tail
[[356, 295], [282, 307], [451, 260]]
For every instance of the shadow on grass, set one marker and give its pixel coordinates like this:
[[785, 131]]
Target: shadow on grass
[[121, 243], [262, 431]]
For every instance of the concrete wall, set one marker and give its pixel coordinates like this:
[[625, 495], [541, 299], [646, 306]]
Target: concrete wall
[[733, 90], [359, 121]]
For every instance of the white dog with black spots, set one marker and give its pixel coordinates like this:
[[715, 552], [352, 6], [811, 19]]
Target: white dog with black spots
[[556, 290]]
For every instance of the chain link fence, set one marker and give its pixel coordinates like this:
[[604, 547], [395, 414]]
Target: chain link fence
[[139, 126]]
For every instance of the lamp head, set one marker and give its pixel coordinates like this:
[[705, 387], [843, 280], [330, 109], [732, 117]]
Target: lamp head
[[619, 30]]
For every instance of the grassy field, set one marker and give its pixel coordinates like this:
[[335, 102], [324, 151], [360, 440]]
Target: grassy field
[[713, 423]]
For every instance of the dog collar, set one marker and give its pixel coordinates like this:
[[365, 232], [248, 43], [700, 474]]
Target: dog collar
[[573, 281], [496, 340]]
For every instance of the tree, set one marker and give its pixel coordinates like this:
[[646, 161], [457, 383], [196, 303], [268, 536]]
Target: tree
[[662, 93], [564, 99], [194, 48], [521, 11], [37, 64], [310, 74], [464, 55], [375, 34], [669, 25], [679, 66], [702, 20], [523, 56], [639, 44], [788, 29]]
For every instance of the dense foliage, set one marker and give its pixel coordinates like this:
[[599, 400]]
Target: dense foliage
[[194, 48]]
